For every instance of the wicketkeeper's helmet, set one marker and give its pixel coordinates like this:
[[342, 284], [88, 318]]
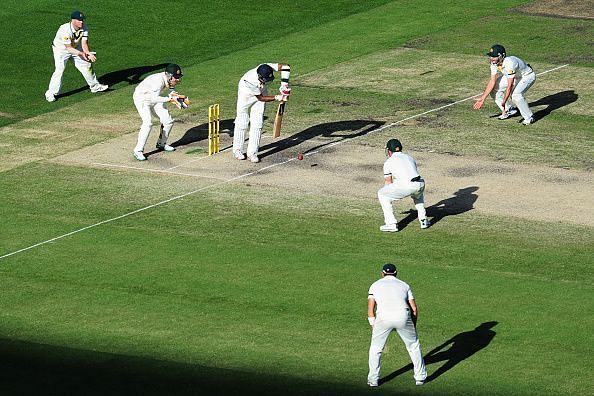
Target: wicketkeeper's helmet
[[174, 70], [265, 73]]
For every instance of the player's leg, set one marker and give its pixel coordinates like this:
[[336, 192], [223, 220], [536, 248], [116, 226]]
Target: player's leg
[[86, 69], [386, 196], [144, 111], [242, 121], [418, 198], [379, 336], [518, 95], [408, 334], [498, 93], [256, 124], [55, 84], [166, 125]]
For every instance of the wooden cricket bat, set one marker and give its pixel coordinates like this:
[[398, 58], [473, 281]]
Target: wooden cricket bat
[[278, 120]]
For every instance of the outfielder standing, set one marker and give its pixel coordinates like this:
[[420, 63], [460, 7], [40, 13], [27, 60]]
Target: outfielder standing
[[516, 78], [391, 306], [252, 94], [148, 100], [72, 42], [402, 180]]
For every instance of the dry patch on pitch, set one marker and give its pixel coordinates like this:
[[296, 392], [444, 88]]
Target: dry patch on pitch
[[353, 169], [581, 9]]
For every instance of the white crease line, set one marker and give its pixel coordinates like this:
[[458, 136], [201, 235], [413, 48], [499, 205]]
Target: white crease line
[[155, 170], [245, 174]]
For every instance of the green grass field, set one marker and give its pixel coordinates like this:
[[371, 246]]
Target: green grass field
[[253, 287]]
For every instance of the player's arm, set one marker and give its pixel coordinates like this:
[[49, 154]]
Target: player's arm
[[269, 98], [89, 56], [414, 310], [371, 310], [490, 86]]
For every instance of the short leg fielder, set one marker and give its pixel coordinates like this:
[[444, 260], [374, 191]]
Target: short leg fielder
[[407, 332], [396, 191]]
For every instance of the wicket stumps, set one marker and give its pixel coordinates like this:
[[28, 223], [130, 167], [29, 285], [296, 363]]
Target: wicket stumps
[[214, 118]]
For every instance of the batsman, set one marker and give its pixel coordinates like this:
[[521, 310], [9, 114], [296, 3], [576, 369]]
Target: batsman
[[252, 96]]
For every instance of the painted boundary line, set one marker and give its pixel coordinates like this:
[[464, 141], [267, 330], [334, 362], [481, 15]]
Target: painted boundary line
[[243, 176]]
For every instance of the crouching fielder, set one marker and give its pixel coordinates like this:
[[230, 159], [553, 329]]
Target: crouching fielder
[[401, 180], [252, 95], [148, 100]]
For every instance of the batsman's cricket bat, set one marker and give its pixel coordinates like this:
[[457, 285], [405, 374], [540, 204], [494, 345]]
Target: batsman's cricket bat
[[278, 120]]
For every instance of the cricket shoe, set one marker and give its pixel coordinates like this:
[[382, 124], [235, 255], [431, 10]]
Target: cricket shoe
[[254, 158], [510, 113], [372, 384], [164, 147], [389, 228], [238, 155], [99, 88], [528, 121], [425, 223], [139, 155], [49, 97], [418, 383]]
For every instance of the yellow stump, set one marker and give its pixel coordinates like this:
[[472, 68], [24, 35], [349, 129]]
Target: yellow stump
[[214, 118]]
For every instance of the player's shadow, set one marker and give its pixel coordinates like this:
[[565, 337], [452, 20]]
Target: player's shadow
[[553, 102], [200, 132], [462, 201], [343, 130], [453, 351], [132, 76]]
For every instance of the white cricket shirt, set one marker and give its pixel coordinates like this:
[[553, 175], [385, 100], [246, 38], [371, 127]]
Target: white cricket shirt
[[512, 66], [67, 35], [151, 87], [402, 167], [391, 296]]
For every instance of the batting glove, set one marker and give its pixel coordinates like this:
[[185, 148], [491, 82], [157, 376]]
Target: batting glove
[[281, 98], [371, 320], [285, 89]]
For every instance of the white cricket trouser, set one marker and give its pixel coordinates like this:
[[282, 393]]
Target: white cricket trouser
[[249, 113], [146, 110], [406, 330], [61, 59], [398, 190], [517, 97]]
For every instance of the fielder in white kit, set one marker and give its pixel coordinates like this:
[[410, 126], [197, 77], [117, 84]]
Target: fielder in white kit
[[391, 306], [72, 42], [148, 100], [252, 94], [401, 180], [516, 78]]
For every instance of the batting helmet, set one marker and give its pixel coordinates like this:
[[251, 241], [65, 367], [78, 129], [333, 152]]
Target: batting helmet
[[265, 73], [174, 70], [393, 145], [496, 50]]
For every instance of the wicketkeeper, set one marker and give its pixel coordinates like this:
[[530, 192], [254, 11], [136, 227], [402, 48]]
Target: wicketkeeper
[[148, 100]]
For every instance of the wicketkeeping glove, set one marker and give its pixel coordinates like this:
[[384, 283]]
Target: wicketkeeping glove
[[180, 101]]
